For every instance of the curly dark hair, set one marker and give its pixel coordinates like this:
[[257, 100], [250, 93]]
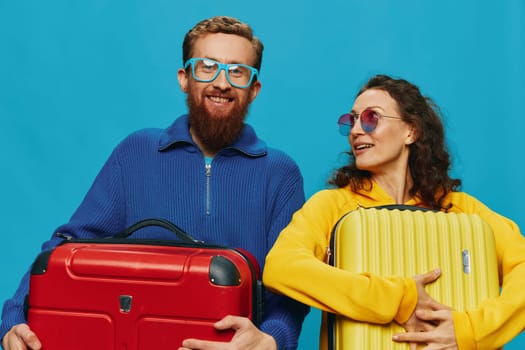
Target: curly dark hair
[[225, 25], [429, 160]]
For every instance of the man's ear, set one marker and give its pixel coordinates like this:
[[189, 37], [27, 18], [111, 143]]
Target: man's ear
[[183, 79], [254, 90]]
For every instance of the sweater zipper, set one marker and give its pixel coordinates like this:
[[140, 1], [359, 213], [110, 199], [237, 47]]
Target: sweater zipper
[[208, 177]]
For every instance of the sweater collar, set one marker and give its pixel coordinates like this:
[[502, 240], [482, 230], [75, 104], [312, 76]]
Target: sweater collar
[[178, 134]]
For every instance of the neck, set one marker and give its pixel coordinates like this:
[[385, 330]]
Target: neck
[[205, 150], [397, 186]]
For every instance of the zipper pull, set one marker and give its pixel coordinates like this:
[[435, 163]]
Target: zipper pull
[[64, 236], [328, 255]]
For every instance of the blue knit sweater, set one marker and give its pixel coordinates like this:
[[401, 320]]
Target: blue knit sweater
[[244, 199]]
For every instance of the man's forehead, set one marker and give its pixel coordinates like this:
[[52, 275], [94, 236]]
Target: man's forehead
[[225, 48]]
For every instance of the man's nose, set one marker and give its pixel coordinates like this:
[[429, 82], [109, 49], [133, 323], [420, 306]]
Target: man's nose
[[222, 81]]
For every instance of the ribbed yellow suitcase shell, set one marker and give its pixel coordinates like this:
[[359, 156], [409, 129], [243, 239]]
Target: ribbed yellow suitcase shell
[[406, 242]]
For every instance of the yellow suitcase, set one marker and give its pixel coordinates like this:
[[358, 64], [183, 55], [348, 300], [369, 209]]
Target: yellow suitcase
[[404, 240]]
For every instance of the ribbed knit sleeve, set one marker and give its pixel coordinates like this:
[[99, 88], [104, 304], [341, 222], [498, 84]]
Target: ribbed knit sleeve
[[96, 216], [284, 316]]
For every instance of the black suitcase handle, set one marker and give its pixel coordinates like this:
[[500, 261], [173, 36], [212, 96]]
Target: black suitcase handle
[[183, 236], [402, 207]]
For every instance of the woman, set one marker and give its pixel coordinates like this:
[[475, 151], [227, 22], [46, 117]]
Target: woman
[[398, 156]]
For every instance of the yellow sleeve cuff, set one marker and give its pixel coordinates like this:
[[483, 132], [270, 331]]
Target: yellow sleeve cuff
[[408, 302], [463, 330]]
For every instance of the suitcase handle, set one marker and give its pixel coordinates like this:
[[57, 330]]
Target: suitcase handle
[[402, 207], [183, 236]]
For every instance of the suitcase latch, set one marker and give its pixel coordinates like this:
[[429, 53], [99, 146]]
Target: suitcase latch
[[466, 260], [125, 303]]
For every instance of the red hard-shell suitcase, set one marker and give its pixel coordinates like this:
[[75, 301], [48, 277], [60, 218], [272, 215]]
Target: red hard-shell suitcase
[[135, 294]]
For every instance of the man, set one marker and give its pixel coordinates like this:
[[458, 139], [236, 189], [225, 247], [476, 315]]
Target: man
[[208, 173]]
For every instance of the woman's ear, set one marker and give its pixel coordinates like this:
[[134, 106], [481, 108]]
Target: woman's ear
[[183, 79], [412, 137]]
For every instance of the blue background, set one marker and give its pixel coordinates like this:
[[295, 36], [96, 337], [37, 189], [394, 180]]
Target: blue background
[[78, 76]]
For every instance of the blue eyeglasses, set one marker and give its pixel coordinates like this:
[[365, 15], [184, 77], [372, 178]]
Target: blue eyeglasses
[[206, 70]]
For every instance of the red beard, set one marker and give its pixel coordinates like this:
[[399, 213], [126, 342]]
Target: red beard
[[216, 133]]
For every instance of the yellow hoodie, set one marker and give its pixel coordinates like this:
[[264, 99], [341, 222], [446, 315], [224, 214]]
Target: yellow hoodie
[[296, 266]]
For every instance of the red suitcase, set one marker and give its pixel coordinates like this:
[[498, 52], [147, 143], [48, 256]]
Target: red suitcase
[[135, 294]]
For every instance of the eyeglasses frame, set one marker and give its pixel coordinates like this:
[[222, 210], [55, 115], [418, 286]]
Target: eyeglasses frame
[[222, 66], [357, 116]]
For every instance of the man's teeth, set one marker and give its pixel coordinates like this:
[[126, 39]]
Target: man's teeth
[[219, 99]]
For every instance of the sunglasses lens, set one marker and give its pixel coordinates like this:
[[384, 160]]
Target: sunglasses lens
[[369, 119], [344, 123]]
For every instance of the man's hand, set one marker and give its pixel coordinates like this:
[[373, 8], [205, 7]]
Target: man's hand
[[21, 337], [246, 337], [441, 337]]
